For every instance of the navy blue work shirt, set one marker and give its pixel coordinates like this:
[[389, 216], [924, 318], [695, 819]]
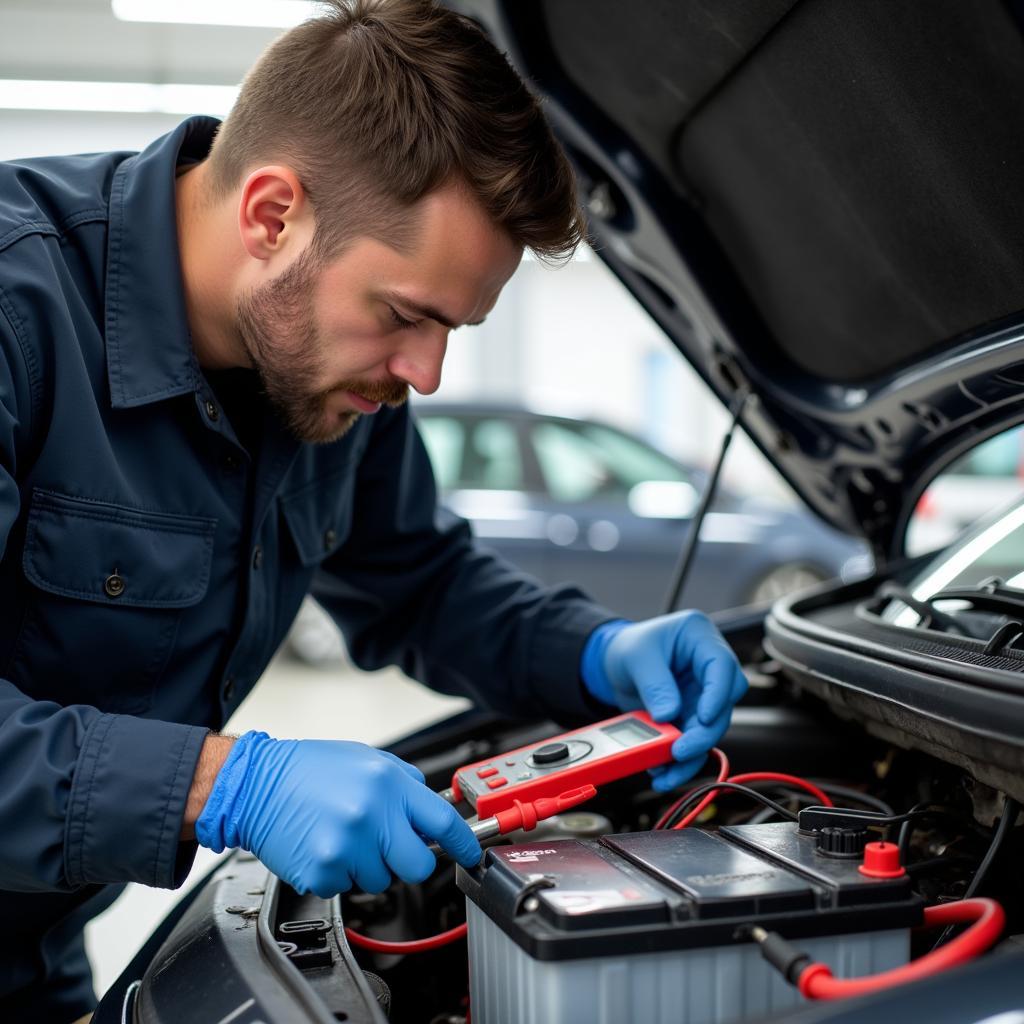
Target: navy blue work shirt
[[151, 565]]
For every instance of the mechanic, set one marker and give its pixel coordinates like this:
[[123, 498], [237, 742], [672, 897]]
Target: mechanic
[[205, 351]]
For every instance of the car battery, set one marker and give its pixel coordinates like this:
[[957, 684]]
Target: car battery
[[653, 926]]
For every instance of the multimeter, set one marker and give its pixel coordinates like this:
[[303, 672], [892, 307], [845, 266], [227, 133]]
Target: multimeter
[[595, 754]]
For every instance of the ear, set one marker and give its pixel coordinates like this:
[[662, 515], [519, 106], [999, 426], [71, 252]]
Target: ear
[[272, 209]]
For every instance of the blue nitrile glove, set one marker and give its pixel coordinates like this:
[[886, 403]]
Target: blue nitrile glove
[[325, 815], [680, 669]]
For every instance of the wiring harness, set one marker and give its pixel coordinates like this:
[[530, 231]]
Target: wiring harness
[[738, 783]]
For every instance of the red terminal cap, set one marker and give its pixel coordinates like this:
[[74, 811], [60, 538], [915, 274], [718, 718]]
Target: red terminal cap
[[882, 860], [525, 814]]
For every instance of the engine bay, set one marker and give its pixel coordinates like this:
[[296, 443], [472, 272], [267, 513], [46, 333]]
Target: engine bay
[[820, 840], [953, 835]]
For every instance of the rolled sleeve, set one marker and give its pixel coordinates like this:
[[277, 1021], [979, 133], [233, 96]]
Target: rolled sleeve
[[132, 780]]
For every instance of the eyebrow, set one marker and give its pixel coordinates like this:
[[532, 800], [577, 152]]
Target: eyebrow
[[420, 309]]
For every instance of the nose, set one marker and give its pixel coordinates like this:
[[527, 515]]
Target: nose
[[418, 362]]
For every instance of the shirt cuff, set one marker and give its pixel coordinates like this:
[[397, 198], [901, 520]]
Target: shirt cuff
[[127, 802]]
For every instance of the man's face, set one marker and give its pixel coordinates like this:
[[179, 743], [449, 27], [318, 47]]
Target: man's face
[[336, 341]]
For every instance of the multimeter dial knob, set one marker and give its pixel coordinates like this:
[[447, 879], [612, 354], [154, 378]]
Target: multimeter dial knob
[[549, 757], [551, 753]]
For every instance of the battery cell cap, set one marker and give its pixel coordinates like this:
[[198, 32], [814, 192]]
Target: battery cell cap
[[486, 773], [882, 860], [497, 783]]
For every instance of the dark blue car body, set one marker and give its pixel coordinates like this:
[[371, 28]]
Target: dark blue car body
[[750, 551]]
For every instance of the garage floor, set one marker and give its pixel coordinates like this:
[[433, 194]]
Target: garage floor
[[292, 700]]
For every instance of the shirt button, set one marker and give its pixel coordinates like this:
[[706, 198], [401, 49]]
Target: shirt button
[[229, 687], [114, 584], [330, 538], [257, 557], [212, 411], [230, 463]]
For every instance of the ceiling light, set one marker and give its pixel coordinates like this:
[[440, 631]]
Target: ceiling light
[[117, 97], [255, 13]]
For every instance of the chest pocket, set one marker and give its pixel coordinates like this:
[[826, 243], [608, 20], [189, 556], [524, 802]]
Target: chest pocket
[[107, 589]]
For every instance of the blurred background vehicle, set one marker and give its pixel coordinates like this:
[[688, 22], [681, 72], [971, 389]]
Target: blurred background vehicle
[[581, 500], [578, 500]]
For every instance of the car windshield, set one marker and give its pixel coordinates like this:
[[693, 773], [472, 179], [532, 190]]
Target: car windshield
[[991, 554]]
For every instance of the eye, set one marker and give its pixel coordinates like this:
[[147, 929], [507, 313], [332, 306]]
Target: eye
[[400, 321]]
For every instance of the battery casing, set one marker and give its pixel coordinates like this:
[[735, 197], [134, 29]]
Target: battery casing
[[649, 926]]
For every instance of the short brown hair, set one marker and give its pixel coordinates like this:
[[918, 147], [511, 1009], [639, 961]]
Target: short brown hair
[[379, 102]]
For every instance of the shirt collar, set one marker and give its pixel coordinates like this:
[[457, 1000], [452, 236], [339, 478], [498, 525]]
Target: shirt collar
[[149, 348]]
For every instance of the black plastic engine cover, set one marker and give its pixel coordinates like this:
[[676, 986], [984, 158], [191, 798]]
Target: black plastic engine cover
[[250, 949]]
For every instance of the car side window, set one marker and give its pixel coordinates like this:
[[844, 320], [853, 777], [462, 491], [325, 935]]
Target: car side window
[[572, 465], [493, 460], [473, 454], [445, 440], [580, 462]]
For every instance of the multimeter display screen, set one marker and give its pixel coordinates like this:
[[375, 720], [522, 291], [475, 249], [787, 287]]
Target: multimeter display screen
[[629, 732]]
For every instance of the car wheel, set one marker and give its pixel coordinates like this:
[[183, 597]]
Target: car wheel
[[784, 579]]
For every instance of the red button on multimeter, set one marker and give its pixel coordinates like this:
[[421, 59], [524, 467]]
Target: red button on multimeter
[[596, 754]]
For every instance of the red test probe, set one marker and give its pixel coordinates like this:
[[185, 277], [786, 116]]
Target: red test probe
[[525, 814], [522, 814]]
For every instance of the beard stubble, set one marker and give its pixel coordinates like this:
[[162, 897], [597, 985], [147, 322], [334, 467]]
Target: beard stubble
[[276, 326]]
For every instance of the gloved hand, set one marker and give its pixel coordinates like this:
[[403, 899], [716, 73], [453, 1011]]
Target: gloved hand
[[325, 815], [680, 669]]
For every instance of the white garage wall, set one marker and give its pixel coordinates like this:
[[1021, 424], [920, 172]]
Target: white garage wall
[[25, 133]]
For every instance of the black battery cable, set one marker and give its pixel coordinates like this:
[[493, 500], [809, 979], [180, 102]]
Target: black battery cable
[[1010, 811], [907, 828], [848, 793], [696, 795], [671, 818], [844, 793]]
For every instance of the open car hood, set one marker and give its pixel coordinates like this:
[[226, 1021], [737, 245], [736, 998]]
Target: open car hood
[[818, 202]]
